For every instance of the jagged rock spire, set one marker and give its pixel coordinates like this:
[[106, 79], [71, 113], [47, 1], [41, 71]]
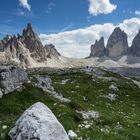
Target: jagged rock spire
[[117, 44], [29, 32], [98, 49], [33, 43]]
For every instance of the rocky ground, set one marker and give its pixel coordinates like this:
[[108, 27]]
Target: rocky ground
[[90, 103]]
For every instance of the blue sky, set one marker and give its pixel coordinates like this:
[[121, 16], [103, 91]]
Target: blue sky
[[55, 16]]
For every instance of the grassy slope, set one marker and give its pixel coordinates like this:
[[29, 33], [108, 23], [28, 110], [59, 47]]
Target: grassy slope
[[125, 111]]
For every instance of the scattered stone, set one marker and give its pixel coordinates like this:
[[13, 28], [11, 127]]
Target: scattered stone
[[89, 114], [63, 82], [113, 87], [136, 83], [4, 127], [111, 97], [71, 134], [45, 83]]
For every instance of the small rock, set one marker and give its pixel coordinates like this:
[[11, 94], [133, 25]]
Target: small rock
[[72, 134], [4, 127]]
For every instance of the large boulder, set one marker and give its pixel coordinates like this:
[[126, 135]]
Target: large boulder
[[135, 48], [38, 123], [11, 78], [117, 44], [98, 49]]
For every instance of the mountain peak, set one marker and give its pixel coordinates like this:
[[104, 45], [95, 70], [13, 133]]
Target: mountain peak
[[98, 49], [117, 29], [117, 44], [29, 25], [29, 32]]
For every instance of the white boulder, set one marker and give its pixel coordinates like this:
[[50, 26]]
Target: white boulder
[[38, 123]]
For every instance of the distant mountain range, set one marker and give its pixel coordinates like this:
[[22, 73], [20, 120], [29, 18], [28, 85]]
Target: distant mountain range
[[27, 50], [117, 46]]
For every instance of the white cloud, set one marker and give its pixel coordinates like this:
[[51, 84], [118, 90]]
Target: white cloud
[[77, 43], [97, 7], [137, 12], [25, 4]]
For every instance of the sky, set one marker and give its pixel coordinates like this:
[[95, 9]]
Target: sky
[[71, 25]]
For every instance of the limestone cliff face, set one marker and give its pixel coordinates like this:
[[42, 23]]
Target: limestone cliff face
[[135, 48], [98, 49], [51, 51], [33, 43], [117, 44]]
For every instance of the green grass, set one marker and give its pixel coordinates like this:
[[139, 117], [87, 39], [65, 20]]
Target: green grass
[[118, 119]]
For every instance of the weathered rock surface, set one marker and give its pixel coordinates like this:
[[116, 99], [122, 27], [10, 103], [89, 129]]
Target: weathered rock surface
[[51, 51], [45, 83], [98, 49], [135, 48], [11, 78], [38, 123], [25, 50], [117, 44], [72, 134], [33, 43]]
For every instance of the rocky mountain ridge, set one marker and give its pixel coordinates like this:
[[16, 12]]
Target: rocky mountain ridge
[[117, 46], [25, 49]]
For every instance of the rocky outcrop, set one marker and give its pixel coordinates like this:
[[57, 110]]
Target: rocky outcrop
[[135, 48], [117, 44], [46, 84], [11, 78], [51, 51], [98, 49], [38, 123]]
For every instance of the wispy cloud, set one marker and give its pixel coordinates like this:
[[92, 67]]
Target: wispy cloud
[[23, 13], [50, 7], [97, 7], [25, 4], [137, 12], [68, 27]]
